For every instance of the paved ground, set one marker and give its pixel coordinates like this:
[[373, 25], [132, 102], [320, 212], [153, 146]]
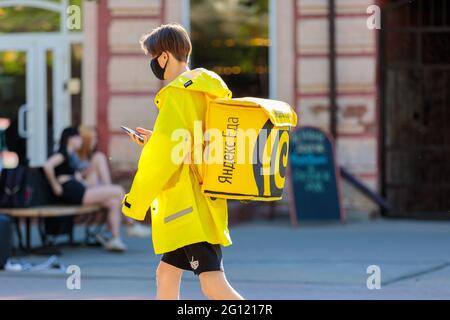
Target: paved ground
[[270, 261]]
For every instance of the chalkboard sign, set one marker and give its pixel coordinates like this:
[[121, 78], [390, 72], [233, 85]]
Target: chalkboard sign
[[314, 178]]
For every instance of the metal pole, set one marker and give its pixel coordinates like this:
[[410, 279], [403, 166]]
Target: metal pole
[[332, 67], [273, 50]]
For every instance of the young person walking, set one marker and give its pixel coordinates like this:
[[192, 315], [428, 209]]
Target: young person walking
[[188, 228]]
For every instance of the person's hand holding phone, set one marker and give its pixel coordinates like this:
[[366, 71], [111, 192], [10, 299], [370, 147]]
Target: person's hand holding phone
[[144, 133]]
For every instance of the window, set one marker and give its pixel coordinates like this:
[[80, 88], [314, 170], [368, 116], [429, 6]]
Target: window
[[231, 38]]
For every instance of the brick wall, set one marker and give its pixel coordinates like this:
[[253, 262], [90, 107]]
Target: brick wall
[[356, 64], [125, 85]]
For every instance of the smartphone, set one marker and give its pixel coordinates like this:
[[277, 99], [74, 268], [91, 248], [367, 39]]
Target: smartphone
[[136, 134]]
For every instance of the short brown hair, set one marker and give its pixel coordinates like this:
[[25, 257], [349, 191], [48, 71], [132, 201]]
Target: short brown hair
[[168, 37]]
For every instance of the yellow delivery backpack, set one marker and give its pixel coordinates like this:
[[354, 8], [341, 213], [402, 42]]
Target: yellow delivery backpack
[[246, 148]]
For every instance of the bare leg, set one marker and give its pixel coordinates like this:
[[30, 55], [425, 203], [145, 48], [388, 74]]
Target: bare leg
[[114, 216], [100, 162], [91, 178], [168, 279], [215, 286], [109, 197], [99, 174]]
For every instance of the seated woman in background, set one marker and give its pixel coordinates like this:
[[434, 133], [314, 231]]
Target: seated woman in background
[[64, 176], [95, 171]]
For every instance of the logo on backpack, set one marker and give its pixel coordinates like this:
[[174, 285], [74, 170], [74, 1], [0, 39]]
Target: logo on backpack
[[270, 160]]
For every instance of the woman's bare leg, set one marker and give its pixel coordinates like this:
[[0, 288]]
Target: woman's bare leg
[[109, 197], [114, 216], [168, 279], [215, 286], [99, 174], [100, 163], [91, 178]]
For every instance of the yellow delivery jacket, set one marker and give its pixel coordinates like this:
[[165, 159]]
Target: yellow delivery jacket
[[181, 213]]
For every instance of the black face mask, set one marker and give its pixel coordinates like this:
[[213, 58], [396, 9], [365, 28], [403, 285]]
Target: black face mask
[[157, 69]]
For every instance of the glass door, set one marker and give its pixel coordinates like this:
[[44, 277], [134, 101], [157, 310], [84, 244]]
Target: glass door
[[35, 71], [24, 91], [13, 93]]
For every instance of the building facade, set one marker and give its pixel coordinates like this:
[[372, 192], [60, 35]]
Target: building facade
[[382, 93], [119, 89]]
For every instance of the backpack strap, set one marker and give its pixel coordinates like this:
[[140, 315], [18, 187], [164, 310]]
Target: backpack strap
[[196, 173], [193, 166]]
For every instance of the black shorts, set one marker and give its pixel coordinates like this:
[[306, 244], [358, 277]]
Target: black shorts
[[73, 192], [197, 257]]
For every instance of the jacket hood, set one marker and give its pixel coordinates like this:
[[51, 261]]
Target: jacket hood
[[199, 79]]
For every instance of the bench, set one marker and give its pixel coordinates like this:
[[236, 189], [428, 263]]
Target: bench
[[43, 212], [49, 213]]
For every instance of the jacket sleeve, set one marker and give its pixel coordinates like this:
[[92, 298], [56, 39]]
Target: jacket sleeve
[[156, 165]]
